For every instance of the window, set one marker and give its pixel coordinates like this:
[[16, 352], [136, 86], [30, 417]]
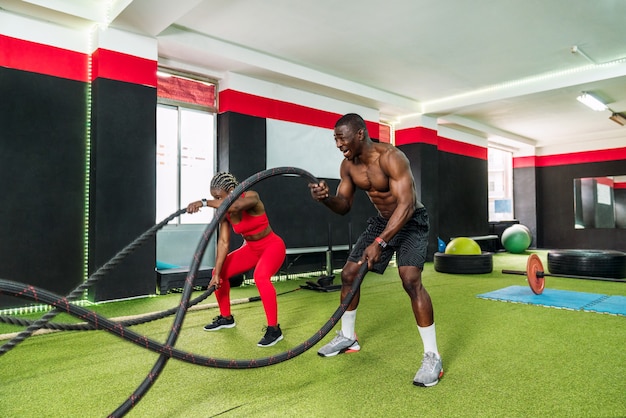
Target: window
[[500, 166], [185, 160], [186, 144], [186, 137]]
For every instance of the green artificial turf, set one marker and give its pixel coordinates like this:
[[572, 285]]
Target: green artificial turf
[[500, 359]]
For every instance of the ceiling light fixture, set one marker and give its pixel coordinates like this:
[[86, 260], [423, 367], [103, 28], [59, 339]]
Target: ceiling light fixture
[[618, 118], [591, 102]]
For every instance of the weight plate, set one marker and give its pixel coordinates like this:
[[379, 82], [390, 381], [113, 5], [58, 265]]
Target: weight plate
[[534, 274]]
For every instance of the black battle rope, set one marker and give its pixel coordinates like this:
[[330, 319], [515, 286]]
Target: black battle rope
[[60, 326], [78, 292], [63, 326], [167, 350], [11, 288]]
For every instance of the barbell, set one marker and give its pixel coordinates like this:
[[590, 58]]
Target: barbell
[[536, 275]]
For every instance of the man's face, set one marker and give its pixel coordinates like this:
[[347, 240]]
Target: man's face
[[348, 141]]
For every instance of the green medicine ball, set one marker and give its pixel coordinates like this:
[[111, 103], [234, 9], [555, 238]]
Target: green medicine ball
[[516, 239]]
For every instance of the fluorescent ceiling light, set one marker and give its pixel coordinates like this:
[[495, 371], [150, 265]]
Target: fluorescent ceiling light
[[591, 102]]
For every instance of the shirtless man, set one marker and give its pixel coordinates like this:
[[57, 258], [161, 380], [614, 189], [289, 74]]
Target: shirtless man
[[401, 226]]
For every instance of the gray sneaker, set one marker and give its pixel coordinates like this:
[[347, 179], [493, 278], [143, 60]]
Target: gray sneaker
[[339, 345], [430, 372]]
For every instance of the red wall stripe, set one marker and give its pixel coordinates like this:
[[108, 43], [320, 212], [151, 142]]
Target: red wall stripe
[[249, 104], [43, 59], [123, 67], [424, 135], [462, 148], [584, 157], [524, 162], [384, 133], [58, 62], [416, 135], [619, 185]]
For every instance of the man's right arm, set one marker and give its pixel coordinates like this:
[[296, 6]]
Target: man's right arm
[[341, 202]]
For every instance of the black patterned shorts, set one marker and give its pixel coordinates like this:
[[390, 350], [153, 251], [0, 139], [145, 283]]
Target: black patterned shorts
[[410, 243]]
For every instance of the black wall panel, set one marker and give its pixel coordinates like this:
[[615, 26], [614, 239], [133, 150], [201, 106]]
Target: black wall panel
[[525, 199], [463, 196], [555, 209], [123, 188], [241, 144], [424, 159], [42, 174]]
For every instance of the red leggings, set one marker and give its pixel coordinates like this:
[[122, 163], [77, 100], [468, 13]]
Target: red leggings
[[265, 256]]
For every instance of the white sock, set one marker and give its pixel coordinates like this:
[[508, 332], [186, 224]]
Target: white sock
[[348, 319], [429, 338]]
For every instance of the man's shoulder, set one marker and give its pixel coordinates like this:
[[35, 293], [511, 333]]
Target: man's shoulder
[[386, 148], [390, 152]]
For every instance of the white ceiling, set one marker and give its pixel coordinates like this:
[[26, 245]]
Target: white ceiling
[[507, 70]]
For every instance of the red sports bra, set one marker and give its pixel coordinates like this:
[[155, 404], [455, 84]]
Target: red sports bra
[[250, 224]]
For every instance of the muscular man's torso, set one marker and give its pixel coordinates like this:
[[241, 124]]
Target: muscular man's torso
[[367, 174]]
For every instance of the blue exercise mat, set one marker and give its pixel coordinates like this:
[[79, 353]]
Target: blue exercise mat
[[612, 304], [564, 299]]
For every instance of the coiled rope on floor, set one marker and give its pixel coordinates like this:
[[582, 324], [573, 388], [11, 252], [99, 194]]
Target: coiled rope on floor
[[167, 350]]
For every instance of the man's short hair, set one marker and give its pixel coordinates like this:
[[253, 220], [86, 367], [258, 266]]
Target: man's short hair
[[354, 121]]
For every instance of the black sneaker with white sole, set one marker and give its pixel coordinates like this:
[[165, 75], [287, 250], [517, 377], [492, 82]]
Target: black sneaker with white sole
[[271, 337], [220, 322]]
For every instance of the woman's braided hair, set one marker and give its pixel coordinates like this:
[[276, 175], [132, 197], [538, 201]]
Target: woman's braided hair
[[224, 181]]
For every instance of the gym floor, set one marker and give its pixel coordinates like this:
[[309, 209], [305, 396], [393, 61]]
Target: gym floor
[[500, 359]]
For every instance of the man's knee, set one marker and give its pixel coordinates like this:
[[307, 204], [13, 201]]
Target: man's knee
[[349, 272], [411, 278]]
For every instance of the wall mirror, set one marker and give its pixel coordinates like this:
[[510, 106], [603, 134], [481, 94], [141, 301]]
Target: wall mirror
[[600, 202]]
